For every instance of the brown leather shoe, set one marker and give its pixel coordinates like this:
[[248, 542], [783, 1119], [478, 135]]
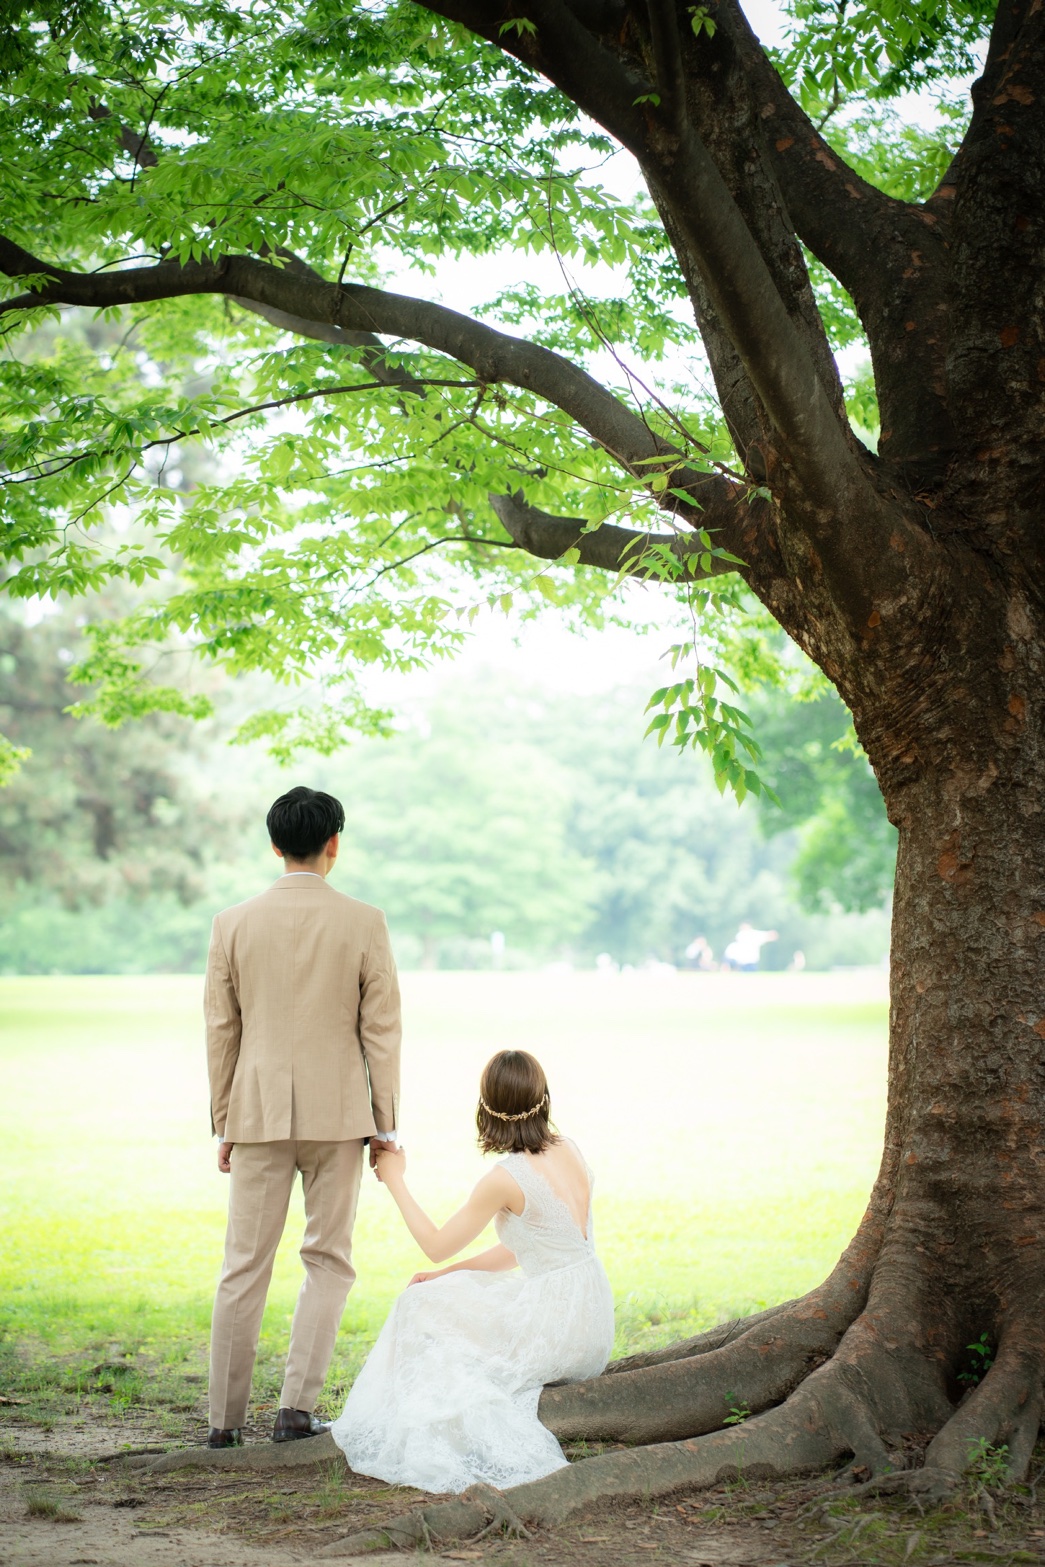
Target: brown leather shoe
[[228, 1438], [293, 1424]]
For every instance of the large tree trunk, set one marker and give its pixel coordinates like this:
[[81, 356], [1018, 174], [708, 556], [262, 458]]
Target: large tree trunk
[[964, 1248]]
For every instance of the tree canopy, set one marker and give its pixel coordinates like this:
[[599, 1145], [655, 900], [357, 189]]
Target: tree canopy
[[381, 468]]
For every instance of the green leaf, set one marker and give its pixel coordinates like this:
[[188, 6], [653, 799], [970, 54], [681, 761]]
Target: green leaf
[[11, 759]]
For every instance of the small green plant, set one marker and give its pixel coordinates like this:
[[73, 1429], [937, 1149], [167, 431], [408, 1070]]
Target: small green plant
[[50, 1507], [988, 1467], [738, 1411], [981, 1361]]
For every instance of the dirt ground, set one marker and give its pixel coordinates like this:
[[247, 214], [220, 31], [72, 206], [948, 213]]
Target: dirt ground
[[81, 1492]]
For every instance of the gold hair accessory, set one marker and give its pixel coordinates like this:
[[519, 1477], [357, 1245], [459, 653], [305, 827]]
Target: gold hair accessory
[[523, 1116]]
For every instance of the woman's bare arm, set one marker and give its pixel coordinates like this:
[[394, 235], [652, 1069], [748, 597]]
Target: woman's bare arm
[[495, 1191], [497, 1259]]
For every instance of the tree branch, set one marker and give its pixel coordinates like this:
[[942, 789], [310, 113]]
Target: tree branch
[[1015, 59], [538, 532], [667, 58], [134, 145], [996, 236], [299, 296], [1009, 19], [374, 356], [296, 300], [841, 216], [892, 256], [33, 473], [609, 547], [687, 181]]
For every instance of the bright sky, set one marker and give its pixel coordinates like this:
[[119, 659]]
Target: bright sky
[[545, 653]]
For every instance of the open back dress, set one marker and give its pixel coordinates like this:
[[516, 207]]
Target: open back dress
[[448, 1395]]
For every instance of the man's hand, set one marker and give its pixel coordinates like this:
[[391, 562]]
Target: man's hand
[[224, 1163], [376, 1145], [390, 1162]]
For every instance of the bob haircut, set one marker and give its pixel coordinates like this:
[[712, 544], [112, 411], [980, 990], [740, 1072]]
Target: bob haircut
[[514, 1105]]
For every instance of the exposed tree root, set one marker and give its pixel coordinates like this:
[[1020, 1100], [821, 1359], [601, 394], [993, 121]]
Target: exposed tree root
[[801, 1436], [691, 1396], [813, 1414], [1003, 1412], [689, 1389], [988, 1441], [856, 1406], [700, 1344]]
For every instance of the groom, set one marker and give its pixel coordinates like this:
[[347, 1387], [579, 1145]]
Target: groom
[[303, 1035]]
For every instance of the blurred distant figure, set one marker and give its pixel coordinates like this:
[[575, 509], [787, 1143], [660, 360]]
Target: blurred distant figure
[[699, 955], [798, 961], [745, 950]]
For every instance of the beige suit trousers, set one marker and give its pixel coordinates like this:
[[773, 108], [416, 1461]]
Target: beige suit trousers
[[262, 1177]]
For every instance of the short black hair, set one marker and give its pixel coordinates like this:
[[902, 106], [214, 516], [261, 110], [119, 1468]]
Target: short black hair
[[301, 821]]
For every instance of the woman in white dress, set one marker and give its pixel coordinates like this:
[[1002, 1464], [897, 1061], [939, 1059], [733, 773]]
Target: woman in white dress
[[448, 1395]]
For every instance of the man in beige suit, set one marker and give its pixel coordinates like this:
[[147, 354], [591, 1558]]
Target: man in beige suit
[[303, 1035]]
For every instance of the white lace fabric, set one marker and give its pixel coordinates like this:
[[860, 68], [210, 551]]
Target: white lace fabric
[[448, 1395]]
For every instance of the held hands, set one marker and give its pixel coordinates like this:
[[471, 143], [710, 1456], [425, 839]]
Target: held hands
[[389, 1162]]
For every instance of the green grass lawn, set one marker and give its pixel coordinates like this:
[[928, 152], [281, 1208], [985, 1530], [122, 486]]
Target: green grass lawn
[[733, 1122]]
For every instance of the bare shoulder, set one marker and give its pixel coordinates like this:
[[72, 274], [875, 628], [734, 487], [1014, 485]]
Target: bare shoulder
[[499, 1188]]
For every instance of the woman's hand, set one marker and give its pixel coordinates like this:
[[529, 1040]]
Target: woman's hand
[[391, 1162], [422, 1278]]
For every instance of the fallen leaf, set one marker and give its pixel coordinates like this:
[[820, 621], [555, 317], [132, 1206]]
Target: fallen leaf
[[463, 1556], [594, 1539]]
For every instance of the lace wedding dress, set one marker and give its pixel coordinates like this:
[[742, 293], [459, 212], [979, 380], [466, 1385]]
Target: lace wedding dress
[[448, 1395]]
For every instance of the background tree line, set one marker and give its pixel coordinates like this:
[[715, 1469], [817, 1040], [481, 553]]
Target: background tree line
[[495, 807]]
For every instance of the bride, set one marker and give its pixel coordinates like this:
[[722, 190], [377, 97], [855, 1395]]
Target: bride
[[448, 1395]]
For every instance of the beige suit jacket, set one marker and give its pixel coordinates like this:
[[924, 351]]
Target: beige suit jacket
[[302, 1012]]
